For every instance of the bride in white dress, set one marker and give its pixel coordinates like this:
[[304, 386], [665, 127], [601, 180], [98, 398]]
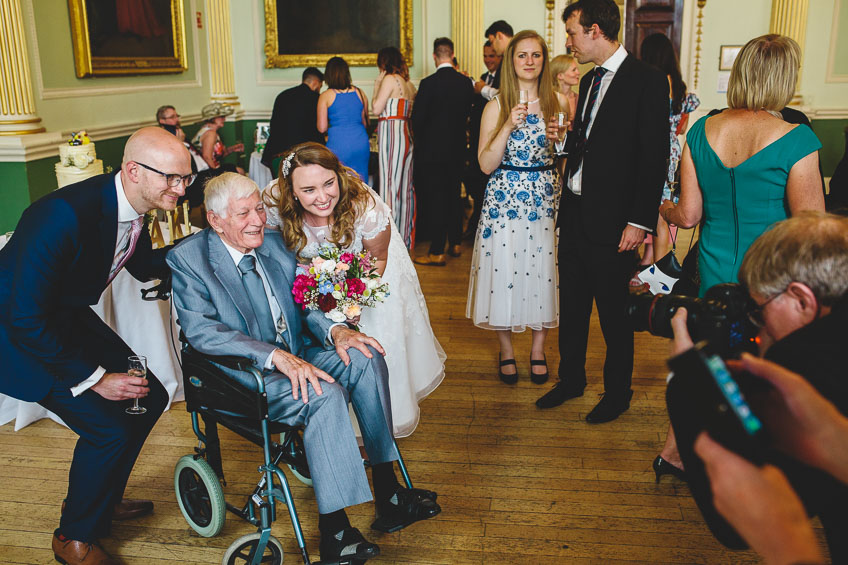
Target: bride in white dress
[[318, 200]]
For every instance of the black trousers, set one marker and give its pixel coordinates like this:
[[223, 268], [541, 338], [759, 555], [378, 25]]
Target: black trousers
[[438, 188], [587, 272], [109, 438]]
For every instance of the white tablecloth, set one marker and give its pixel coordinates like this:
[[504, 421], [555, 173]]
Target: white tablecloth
[[146, 327], [259, 173]]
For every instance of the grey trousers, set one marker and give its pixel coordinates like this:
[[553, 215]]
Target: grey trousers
[[335, 464]]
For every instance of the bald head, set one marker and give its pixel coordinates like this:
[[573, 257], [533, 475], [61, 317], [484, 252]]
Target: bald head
[[147, 149]]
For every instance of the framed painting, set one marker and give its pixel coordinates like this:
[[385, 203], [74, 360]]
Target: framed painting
[[304, 34], [727, 55], [127, 37]]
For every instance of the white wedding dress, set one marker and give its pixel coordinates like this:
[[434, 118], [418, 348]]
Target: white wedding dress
[[401, 324]]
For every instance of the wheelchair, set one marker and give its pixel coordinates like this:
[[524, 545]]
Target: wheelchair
[[214, 397]]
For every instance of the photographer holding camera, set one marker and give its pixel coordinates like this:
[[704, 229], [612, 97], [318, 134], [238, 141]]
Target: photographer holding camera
[[797, 276]]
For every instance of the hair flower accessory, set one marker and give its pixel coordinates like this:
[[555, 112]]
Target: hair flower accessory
[[287, 164]]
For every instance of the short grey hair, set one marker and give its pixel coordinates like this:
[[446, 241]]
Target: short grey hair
[[223, 189], [810, 248]]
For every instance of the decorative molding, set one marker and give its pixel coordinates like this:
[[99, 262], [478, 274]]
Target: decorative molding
[[74, 92], [831, 76], [696, 75], [24, 148]]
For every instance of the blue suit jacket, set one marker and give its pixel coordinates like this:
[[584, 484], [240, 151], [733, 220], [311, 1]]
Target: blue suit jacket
[[215, 313], [55, 266]]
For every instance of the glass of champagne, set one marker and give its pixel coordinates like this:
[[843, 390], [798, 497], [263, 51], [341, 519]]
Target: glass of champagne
[[523, 98], [137, 368], [562, 129]]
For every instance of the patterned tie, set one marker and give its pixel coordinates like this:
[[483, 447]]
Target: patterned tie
[[135, 231], [576, 156], [258, 299]]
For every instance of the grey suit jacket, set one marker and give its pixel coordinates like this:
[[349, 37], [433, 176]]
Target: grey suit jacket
[[214, 311]]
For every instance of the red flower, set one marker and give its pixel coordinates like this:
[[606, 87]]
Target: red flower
[[326, 302], [355, 287], [302, 285], [346, 258]]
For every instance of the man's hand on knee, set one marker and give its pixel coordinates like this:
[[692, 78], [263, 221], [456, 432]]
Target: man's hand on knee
[[345, 338], [300, 373], [121, 386]]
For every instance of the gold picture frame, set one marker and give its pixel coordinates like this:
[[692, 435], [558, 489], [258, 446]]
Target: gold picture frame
[[101, 49], [274, 59]]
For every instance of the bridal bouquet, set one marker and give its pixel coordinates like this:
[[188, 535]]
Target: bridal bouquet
[[339, 284]]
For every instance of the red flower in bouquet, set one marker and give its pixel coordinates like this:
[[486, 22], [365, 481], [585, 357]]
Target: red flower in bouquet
[[355, 287], [347, 258], [326, 302], [302, 285]]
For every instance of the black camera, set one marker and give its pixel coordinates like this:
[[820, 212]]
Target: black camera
[[721, 318]]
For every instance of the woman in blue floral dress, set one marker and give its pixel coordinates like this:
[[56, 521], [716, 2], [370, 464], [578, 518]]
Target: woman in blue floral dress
[[513, 282]]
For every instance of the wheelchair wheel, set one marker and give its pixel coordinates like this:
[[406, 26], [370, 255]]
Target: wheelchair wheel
[[200, 496], [300, 469], [239, 552]]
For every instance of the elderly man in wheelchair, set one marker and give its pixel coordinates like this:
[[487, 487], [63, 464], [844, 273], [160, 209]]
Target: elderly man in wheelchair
[[232, 289]]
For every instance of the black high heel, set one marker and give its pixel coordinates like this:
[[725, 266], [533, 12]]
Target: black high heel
[[508, 379], [663, 467], [537, 377]]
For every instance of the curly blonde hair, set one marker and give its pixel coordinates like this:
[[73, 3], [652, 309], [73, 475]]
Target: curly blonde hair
[[354, 198]]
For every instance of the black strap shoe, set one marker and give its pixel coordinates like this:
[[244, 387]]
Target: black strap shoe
[[347, 545], [559, 394], [405, 507], [508, 379]]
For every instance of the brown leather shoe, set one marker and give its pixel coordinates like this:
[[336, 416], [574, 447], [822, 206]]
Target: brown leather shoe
[[128, 509], [455, 250], [72, 552], [432, 260]]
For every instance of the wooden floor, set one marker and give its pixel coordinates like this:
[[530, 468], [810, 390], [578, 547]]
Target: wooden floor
[[516, 484]]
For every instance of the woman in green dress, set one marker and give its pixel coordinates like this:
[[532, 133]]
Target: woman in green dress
[[745, 169]]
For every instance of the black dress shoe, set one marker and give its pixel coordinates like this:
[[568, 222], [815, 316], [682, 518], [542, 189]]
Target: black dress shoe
[[404, 508], [609, 408], [347, 545], [506, 378], [663, 467], [559, 394], [539, 378]]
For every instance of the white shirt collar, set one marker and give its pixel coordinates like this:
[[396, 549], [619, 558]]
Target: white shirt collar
[[443, 65], [235, 253], [126, 213], [614, 61]]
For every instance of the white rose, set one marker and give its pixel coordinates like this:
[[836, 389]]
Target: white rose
[[328, 266], [380, 296], [372, 283], [337, 294], [336, 316]]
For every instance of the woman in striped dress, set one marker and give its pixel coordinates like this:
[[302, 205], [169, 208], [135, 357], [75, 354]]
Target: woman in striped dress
[[392, 100]]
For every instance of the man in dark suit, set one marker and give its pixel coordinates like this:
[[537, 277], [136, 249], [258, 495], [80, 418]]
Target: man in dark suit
[[66, 249], [293, 118], [615, 171], [439, 122], [475, 179]]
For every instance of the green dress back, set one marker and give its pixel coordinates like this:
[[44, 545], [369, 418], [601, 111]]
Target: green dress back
[[741, 202]]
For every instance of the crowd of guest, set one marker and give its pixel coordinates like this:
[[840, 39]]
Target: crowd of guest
[[566, 178]]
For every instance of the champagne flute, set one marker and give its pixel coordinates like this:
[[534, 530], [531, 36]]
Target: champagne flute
[[523, 98], [137, 368], [562, 128]]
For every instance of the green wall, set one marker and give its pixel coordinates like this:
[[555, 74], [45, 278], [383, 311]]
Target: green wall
[[831, 133]]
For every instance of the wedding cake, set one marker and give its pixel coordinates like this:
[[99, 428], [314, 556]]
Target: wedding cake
[[78, 160]]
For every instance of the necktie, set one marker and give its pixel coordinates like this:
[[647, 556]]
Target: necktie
[[490, 78], [258, 299], [576, 156], [135, 231]]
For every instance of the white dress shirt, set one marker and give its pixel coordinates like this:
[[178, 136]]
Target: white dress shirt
[[612, 64], [126, 216]]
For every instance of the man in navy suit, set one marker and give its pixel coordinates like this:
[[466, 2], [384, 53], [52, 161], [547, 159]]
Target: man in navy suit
[[439, 122], [67, 248], [618, 154]]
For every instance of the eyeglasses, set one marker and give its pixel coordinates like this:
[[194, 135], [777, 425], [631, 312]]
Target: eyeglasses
[[171, 117], [755, 314], [174, 179]]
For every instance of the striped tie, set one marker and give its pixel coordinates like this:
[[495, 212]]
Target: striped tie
[[576, 156], [135, 231]]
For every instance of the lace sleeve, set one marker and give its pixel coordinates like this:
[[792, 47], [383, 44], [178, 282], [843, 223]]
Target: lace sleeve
[[271, 196], [375, 219]]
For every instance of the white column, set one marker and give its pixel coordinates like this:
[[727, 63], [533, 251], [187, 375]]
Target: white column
[[221, 52], [17, 105], [467, 34], [789, 18]]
